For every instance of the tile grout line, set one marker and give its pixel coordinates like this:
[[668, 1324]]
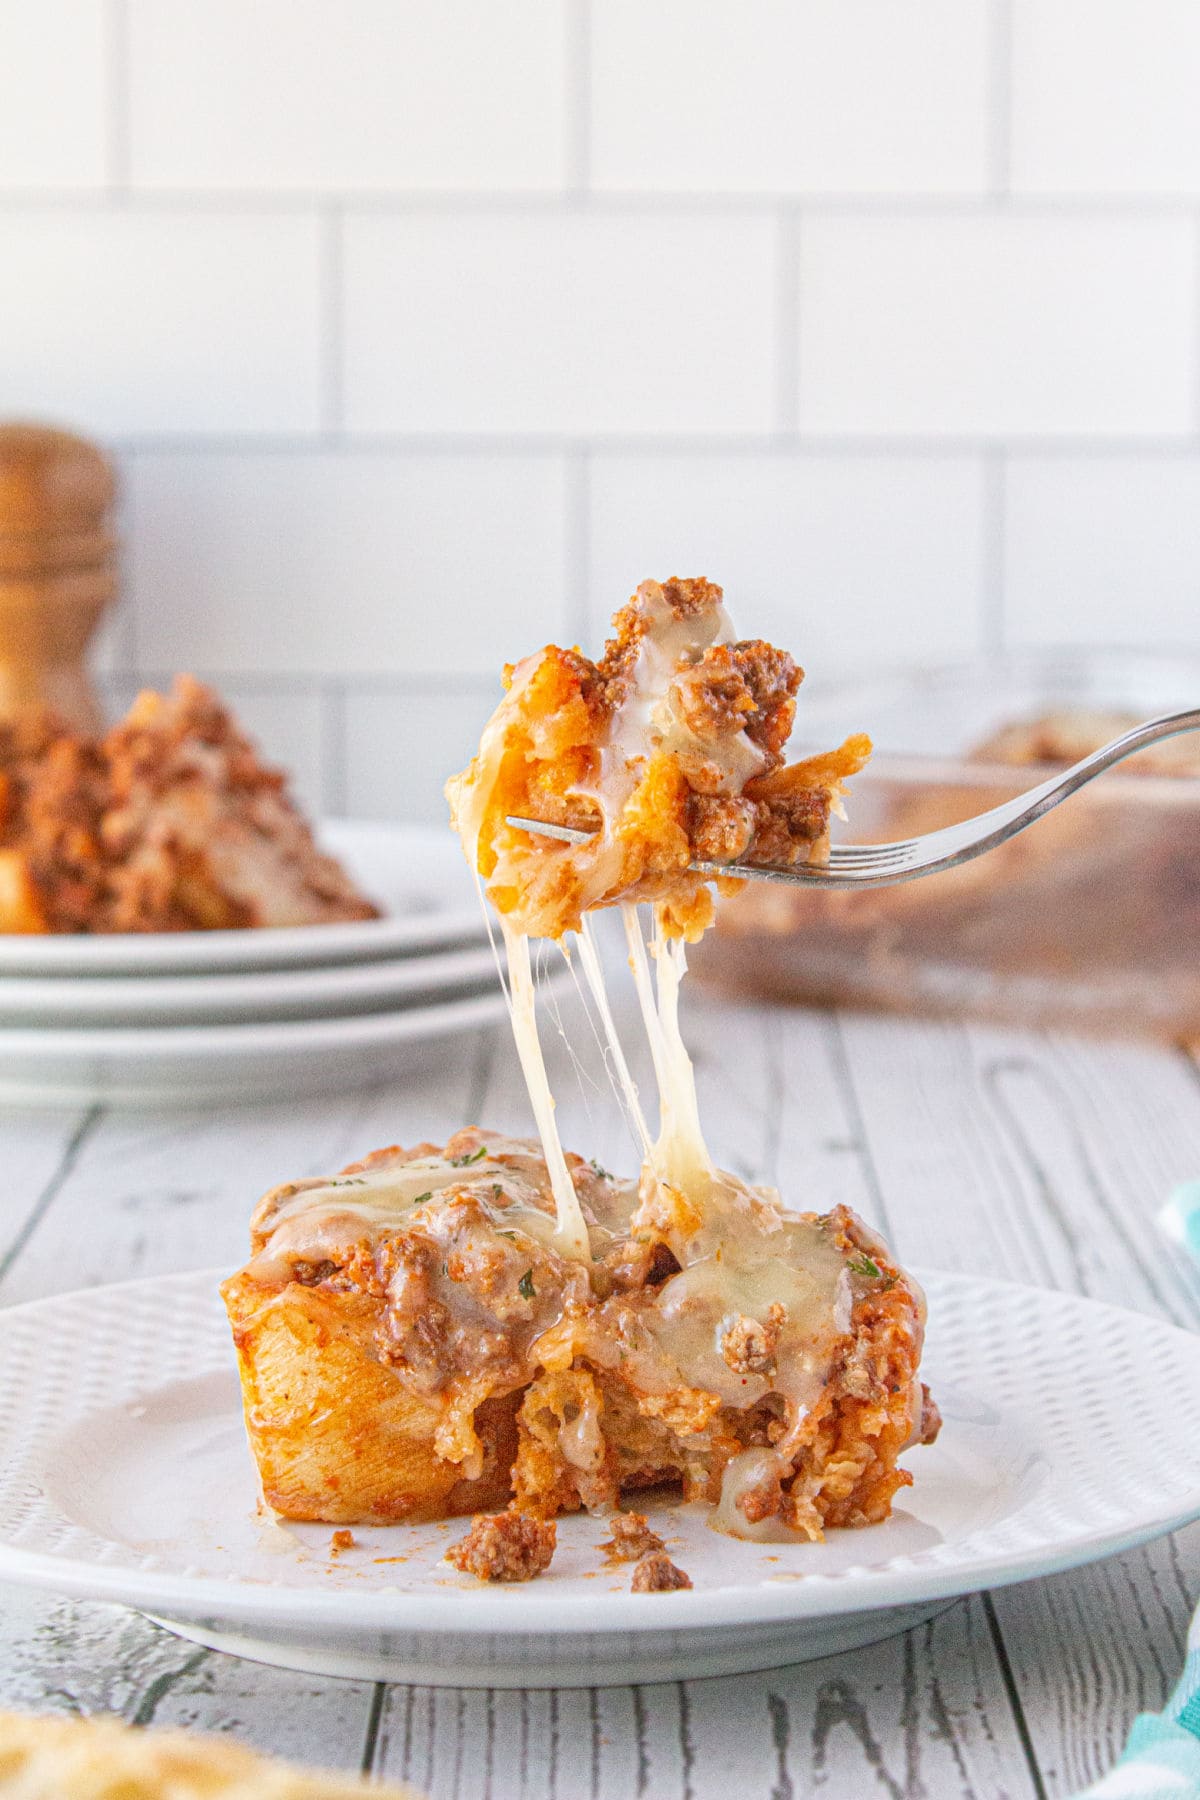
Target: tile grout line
[[1000, 101], [787, 319], [995, 498], [294, 683], [1196, 314], [522, 443], [577, 94], [331, 362], [116, 98], [565, 201], [577, 544], [333, 758], [126, 600]]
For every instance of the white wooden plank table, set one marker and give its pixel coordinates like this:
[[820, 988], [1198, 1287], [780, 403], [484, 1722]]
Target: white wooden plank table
[[1036, 1156]]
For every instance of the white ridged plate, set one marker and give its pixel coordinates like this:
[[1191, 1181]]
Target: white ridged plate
[[416, 873], [262, 994], [124, 1476], [203, 1065]]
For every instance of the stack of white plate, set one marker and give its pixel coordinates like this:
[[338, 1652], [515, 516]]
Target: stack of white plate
[[220, 1015]]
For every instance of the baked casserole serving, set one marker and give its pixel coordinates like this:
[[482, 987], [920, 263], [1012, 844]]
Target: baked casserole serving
[[168, 822], [495, 1325]]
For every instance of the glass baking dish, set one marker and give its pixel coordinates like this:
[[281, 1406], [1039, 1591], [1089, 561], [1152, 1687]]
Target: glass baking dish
[[1091, 918]]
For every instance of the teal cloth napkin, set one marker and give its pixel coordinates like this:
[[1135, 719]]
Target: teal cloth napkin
[[1161, 1760]]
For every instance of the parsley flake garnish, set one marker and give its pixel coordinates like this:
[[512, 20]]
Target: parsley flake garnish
[[422, 1198], [604, 1174], [473, 1156], [864, 1265], [525, 1286], [347, 1181]]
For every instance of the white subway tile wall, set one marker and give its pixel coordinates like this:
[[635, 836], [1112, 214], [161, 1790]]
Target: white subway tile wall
[[999, 326], [423, 329], [1105, 97], [573, 324], [399, 563], [1084, 534], [768, 96], [182, 323], [882, 558], [307, 95], [53, 69]]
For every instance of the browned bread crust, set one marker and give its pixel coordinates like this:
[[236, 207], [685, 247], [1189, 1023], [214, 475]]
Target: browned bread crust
[[103, 1759]]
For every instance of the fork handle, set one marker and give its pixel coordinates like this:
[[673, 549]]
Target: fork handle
[[887, 865]]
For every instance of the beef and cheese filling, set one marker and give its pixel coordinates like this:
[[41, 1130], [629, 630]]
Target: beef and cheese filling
[[764, 1360], [500, 1322], [669, 750]]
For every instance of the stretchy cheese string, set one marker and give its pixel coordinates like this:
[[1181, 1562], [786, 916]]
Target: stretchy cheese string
[[590, 959], [687, 1156], [571, 1237], [679, 1155], [645, 993], [547, 992], [487, 919]]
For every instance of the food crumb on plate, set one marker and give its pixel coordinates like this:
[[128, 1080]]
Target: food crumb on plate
[[508, 1546], [631, 1538], [655, 1573]]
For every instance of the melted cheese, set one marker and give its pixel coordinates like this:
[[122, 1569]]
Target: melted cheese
[[322, 1219], [681, 1150], [646, 716], [743, 1278], [650, 718], [593, 970], [742, 1475], [572, 1236]]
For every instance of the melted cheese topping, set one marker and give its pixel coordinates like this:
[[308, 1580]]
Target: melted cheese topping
[[321, 1219], [650, 718]]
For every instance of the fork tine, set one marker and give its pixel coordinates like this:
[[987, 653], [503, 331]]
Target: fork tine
[[885, 865]]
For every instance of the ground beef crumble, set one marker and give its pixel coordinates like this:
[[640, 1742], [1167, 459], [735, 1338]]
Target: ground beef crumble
[[931, 1418], [505, 1547], [631, 1538], [749, 1345], [657, 1574]]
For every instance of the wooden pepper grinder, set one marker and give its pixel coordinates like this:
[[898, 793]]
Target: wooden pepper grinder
[[58, 569]]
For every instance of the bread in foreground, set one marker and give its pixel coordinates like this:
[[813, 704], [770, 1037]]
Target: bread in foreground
[[104, 1759], [412, 1346], [169, 822]]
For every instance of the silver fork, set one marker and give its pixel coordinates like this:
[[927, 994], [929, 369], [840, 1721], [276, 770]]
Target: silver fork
[[886, 865]]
